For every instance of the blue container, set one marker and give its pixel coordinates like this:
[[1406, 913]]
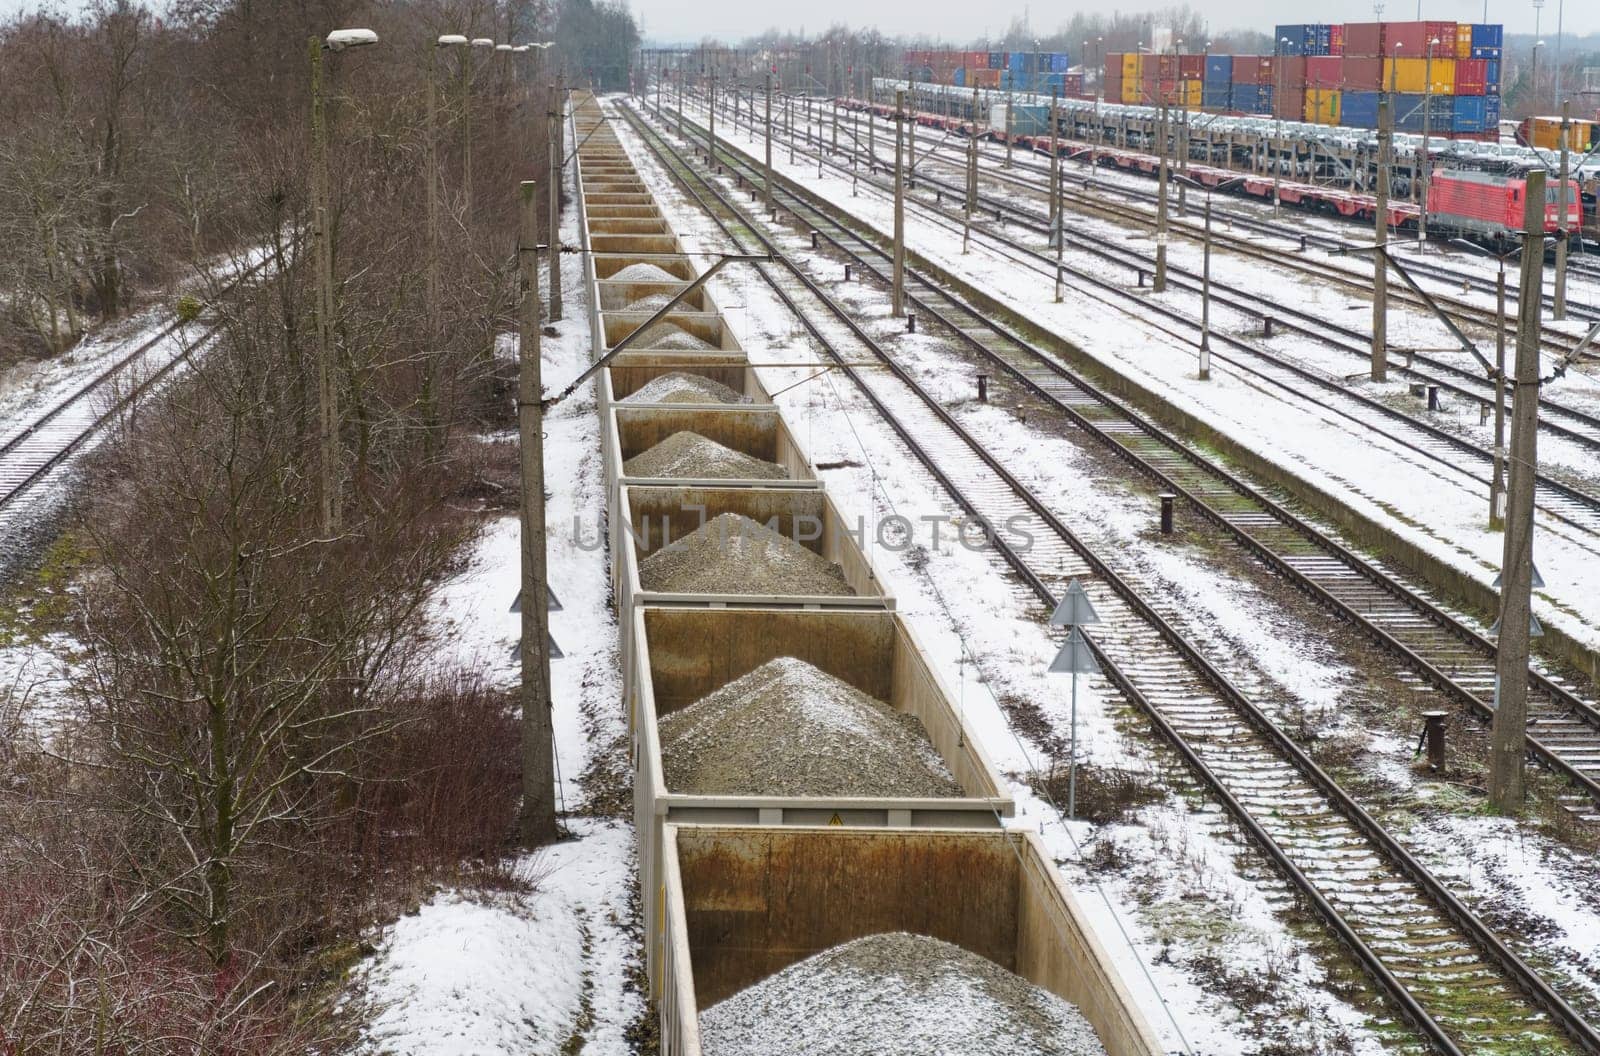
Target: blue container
[[1359, 109], [1488, 36], [1323, 43], [960, 79], [1408, 112], [1215, 96], [1060, 62], [1246, 97], [1219, 69], [1264, 100], [1487, 53], [1491, 113], [1468, 113], [997, 60], [1289, 40], [1019, 61]]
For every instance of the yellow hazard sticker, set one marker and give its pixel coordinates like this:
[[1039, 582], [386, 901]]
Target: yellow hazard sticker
[[835, 820]]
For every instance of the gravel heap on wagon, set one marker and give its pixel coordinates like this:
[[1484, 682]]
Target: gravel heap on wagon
[[732, 554], [688, 454], [896, 995], [643, 272], [655, 302], [790, 729], [681, 387], [673, 337]]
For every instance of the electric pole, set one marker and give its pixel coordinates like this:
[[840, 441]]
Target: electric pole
[[711, 127], [1055, 170], [898, 307], [553, 127], [1160, 284], [538, 816], [1497, 484], [1508, 736], [972, 175], [1380, 253], [769, 143], [1559, 311], [1205, 300]]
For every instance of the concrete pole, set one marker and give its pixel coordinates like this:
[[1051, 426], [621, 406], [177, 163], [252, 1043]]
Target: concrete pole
[[1010, 125], [834, 114], [711, 125], [788, 114], [322, 236], [537, 821], [431, 174], [680, 101], [466, 128], [911, 144], [1508, 735], [1497, 485], [898, 293], [1205, 300], [1380, 235], [1160, 283], [1055, 169], [972, 175], [553, 118], [1559, 311], [1423, 157], [769, 143]]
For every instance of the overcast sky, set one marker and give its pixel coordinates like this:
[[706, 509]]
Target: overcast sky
[[687, 20], [681, 20]]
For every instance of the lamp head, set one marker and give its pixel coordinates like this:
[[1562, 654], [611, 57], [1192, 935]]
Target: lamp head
[[341, 39], [450, 40]]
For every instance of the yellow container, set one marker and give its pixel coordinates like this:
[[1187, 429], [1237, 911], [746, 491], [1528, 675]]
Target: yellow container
[[1132, 67], [1412, 75], [1192, 94], [1463, 41], [1322, 106], [1132, 91]]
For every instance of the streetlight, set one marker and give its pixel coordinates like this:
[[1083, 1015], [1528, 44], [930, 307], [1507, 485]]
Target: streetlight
[[1277, 114], [431, 172], [327, 394], [1075, 658]]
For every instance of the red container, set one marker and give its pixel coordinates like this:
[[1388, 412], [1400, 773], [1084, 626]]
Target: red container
[[1289, 72], [976, 60], [1167, 65], [1192, 67], [1113, 72], [1472, 76], [1289, 105], [1336, 39], [1324, 71], [1244, 71], [1407, 40], [1363, 38], [1072, 84], [1362, 73], [1445, 34]]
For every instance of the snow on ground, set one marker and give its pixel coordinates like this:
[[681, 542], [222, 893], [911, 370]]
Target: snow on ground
[[475, 973], [1421, 502], [986, 641]]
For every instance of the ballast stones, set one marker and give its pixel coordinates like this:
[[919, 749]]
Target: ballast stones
[[689, 455], [732, 554]]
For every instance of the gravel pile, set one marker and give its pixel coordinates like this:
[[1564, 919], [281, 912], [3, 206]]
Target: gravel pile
[[644, 273], [896, 995], [671, 336], [732, 554], [681, 387], [688, 454], [654, 303], [790, 729]]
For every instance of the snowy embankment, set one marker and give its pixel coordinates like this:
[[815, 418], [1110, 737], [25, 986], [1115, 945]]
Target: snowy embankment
[[547, 967], [1433, 508]]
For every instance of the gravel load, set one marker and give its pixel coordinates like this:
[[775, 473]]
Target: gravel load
[[671, 336], [644, 273], [688, 454], [654, 303], [681, 387], [732, 554], [790, 729], [896, 995]]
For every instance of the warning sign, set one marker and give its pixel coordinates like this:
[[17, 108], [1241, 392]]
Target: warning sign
[[835, 820]]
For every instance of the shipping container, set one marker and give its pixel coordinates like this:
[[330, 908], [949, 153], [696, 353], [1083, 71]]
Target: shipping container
[[1468, 114], [984, 78], [959, 78], [1217, 96], [1253, 98], [1420, 76], [1488, 36], [1322, 106], [1289, 104], [1358, 109], [1463, 48], [1487, 53], [739, 904], [1361, 73], [1324, 71], [1336, 39], [1132, 66], [1060, 62], [1364, 39], [1133, 92], [1219, 69], [1414, 112], [1491, 76], [1405, 39], [1167, 66], [996, 60], [1289, 71], [1191, 67], [1252, 69], [1472, 76]]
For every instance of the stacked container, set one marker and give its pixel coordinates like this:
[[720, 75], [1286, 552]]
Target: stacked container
[[1021, 71]]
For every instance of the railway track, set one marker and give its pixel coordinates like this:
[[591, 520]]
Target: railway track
[[1458, 984], [1574, 510], [33, 452], [1079, 150]]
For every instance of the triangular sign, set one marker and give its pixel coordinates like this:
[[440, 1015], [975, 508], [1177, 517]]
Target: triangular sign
[[555, 602], [1534, 629], [1538, 580], [1074, 609], [1075, 657], [555, 650]]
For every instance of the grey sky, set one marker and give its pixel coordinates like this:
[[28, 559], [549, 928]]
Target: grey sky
[[731, 19]]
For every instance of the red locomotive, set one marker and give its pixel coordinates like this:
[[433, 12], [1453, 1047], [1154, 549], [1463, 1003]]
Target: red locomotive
[[1487, 206]]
